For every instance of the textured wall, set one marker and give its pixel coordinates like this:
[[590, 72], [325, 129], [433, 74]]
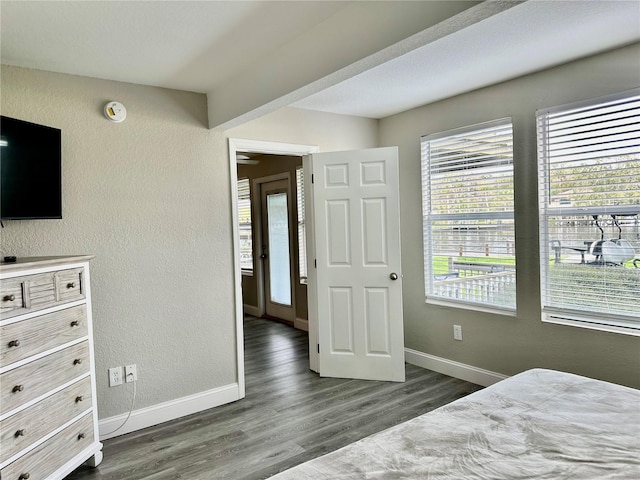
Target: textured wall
[[494, 342], [150, 198]]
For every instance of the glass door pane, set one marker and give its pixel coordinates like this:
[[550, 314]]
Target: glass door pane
[[279, 262]]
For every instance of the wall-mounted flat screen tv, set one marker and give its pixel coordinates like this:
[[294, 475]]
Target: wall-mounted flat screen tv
[[30, 170]]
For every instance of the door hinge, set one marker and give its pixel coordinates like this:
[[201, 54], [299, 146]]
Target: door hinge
[[312, 178], [318, 348], [315, 263]]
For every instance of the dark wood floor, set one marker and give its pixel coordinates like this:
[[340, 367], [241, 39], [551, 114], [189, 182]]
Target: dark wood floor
[[289, 415]]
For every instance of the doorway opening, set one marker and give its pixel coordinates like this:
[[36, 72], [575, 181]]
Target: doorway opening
[[245, 155]]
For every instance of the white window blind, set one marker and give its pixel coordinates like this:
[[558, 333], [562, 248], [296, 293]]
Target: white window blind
[[302, 239], [244, 225], [469, 240], [589, 186]]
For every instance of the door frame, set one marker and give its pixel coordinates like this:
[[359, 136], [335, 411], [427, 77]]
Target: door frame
[[254, 146]]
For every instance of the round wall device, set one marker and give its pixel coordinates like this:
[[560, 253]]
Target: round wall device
[[115, 111]]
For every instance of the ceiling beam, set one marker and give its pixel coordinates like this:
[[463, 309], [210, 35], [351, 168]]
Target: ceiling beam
[[354, 40]]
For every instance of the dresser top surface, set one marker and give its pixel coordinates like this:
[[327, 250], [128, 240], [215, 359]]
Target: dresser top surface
[[26, 263]]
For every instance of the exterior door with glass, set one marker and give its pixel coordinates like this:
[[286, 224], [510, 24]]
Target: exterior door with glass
[[276, 254]]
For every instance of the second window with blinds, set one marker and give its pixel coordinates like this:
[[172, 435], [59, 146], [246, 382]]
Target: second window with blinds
[[468, 210], [589, 186]]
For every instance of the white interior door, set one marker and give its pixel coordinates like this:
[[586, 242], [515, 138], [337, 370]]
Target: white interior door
[[355, 291]]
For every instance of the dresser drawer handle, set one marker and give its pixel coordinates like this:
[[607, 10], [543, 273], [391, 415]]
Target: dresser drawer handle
[[81, 436], [75, 323], [19, 433], [79, 399], [14, 343], [8, 298], [24, 476], [77, 361], [71, 285], [18, 388]]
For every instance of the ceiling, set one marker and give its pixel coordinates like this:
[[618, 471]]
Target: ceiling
[[199, 46], [528, 38]]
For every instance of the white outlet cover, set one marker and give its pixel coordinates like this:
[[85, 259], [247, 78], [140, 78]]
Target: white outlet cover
[[115, 376]]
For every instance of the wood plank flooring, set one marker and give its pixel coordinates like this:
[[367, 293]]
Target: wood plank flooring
[[289, 415]]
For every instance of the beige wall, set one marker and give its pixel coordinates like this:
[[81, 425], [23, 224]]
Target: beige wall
[[150, 198], [500, 343], [327, 131]]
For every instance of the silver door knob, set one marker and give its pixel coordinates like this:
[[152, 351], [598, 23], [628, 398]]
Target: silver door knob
[[393, 276]]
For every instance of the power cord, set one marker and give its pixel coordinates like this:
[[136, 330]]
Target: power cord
[[133, 403]]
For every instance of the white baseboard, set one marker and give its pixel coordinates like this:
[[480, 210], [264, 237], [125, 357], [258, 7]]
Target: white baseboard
[[301, 324], [163, 412], [463, 371], [251, 310]]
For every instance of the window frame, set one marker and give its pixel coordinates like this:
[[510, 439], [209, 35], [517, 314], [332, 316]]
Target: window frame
[[301, 227], [579, 317], [246, 271], [428, 219]]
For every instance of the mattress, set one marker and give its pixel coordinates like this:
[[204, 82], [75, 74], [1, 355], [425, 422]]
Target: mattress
[[539, 424]]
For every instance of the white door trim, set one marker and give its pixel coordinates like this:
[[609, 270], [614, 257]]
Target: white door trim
[[256, 146]]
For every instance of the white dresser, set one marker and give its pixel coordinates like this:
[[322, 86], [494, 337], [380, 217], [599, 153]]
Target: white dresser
[[48, 414]]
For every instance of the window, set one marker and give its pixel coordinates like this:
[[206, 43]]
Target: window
[[469, 240], [589, 175], [244, 226], [302, 239]]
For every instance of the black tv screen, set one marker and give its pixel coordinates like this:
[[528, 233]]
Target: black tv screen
[[30, 170]]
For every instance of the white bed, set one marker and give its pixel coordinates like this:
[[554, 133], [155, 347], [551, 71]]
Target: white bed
[[540, 424]]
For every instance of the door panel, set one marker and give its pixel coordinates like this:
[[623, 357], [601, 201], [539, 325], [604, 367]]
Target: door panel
[[374, 224], [339, 241], [341, 320], [277, 249], [357, 249]]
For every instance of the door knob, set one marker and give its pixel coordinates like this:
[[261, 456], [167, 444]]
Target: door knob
[[263, 256], [393, 276]]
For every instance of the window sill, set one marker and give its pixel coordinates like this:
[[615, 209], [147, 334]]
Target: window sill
[[591, 324], [476, 307]]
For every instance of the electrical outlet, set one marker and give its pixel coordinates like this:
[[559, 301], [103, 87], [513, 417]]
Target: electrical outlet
[[457, 332], [130, 373], [115, 376]]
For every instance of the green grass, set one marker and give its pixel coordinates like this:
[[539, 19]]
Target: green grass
[[441, 263], [599, 287]]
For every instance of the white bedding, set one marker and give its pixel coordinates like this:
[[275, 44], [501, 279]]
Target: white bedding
[[540, 424]]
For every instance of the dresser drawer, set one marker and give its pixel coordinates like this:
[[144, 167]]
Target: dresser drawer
[[20, 295], [42, 461], [22, 339], [69, 285], [27, 426], [29, 381]]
